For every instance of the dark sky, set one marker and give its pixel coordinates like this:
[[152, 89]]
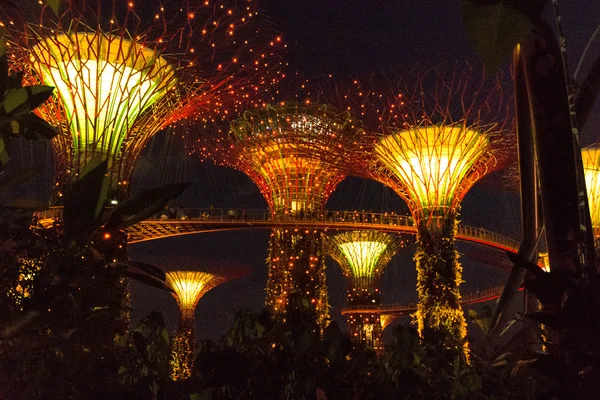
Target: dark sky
[[345, 37]]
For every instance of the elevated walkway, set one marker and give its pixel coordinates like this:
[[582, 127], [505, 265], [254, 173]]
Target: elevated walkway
[[190, 221]]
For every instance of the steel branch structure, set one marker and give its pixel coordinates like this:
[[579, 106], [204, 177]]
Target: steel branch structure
[[363, 255], [118, 80], [188, 287], [441, 138], [591, 167], [273, 146]]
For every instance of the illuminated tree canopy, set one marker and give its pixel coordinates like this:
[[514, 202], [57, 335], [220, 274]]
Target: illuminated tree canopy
[[363, 255], [441, 133], [434, 166], [275, 147], [104, 83], [122, 74], [189, 287]]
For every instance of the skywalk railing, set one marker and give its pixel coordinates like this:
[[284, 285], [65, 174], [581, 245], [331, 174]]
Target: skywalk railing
[[327, 218]]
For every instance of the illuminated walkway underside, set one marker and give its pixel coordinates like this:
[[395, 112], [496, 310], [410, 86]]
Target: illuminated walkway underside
[[221, 220], [397, 309]]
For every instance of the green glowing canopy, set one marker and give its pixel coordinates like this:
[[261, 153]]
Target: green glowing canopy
[[364, 254], [103, 83]]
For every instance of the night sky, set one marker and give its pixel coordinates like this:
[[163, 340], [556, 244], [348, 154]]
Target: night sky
[[343, 37]]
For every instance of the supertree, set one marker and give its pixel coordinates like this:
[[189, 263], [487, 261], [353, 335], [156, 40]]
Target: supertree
[[273, 146], [121, 74], [440, 137], [188, 287], [591, 167], [363, 256]]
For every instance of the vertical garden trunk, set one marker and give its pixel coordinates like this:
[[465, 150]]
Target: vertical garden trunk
[[439, 275], [182, 350], [365, 328], [297, 267]]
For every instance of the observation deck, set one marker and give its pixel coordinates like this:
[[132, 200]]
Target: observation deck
[[190, 221]]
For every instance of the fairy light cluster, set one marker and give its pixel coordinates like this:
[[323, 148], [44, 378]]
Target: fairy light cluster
[[188, 287], [122, 73], [363, 255], [591, 167], [273, 146], [28, 270]]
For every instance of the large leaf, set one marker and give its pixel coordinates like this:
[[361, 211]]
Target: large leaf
[[147, 280], [495, 28], [144, 205], [84, 203], [4, 153], [147, 268], [483, 319], [15, 178], [32, 127], [25, 99], [54, 5]]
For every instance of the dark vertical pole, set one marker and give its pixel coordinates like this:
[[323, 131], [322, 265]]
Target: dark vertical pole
[[529, 209], [548, 99]]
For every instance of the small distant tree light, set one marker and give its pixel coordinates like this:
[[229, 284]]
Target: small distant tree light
[[188, 287]]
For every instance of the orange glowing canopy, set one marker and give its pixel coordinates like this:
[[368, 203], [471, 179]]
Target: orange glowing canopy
[[189, 287]]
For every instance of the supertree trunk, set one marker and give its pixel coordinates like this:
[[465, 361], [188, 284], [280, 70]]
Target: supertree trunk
[[365, 327], [439, 275], [297, 266], [181, 360]]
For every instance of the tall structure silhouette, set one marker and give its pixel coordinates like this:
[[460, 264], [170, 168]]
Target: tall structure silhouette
[[363, 256], [440, 138], [274, 147]]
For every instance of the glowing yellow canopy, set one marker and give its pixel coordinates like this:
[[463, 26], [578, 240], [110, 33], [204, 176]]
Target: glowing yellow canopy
[[103, 83], [591, 168], [431, 163], [189, 287]]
